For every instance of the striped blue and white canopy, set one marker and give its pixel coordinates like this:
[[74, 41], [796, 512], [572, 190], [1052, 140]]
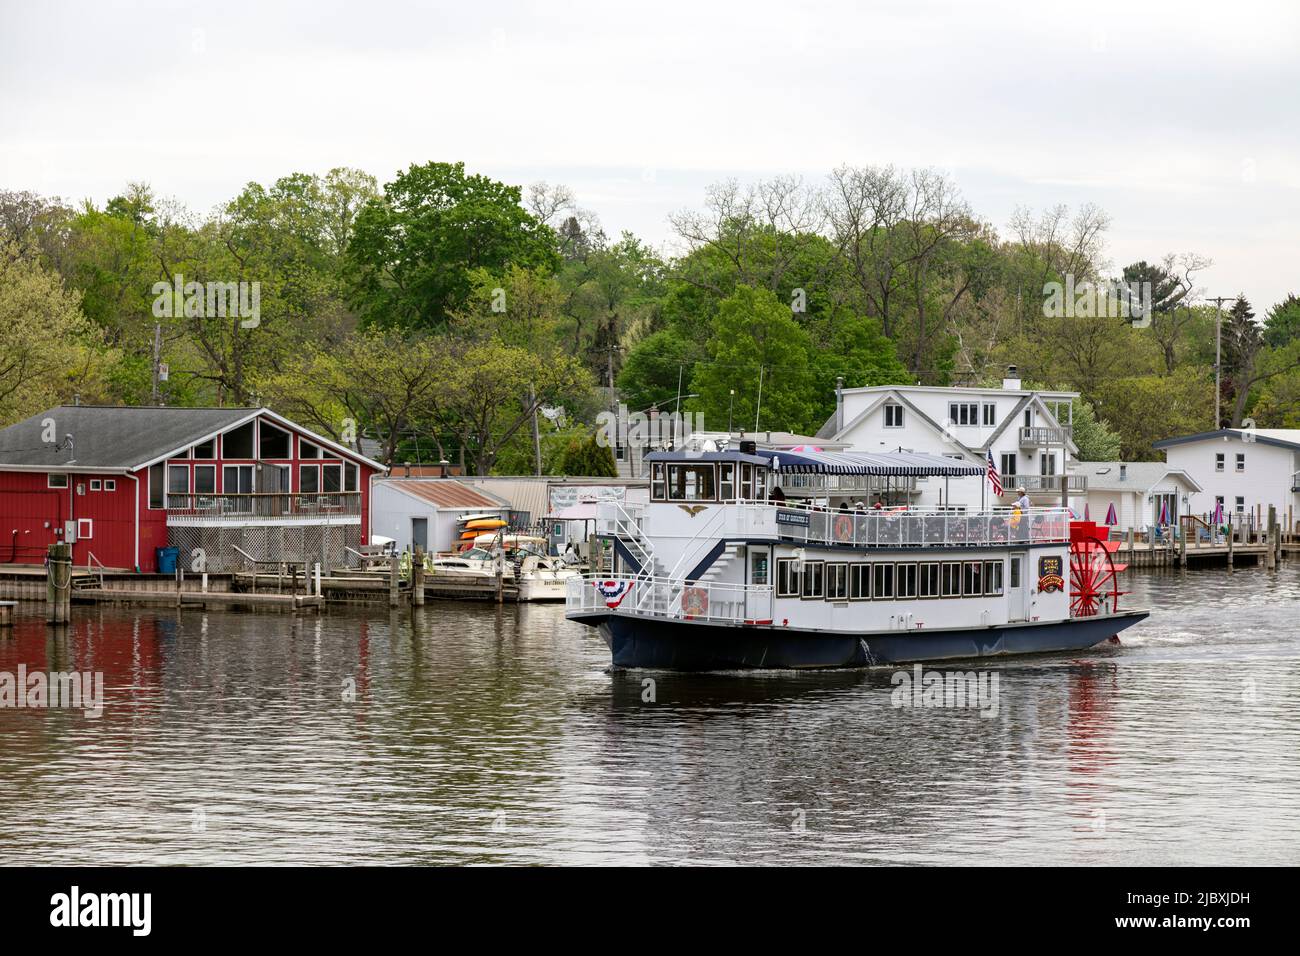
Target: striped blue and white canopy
[[901, 464]]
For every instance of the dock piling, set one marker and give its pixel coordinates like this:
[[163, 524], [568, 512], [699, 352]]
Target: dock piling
[[417, 578], [58, 583]]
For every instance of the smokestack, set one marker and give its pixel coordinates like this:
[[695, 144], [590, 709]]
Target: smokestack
[[1012, 381]]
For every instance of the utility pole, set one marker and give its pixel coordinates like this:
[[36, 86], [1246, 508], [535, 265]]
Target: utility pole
[[1218, 355], [157, 358], [731, 404]]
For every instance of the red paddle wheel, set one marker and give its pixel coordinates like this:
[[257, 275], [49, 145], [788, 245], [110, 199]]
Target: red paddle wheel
[[1094, 574]]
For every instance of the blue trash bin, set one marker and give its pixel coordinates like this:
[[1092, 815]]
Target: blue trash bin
[[167, 558]]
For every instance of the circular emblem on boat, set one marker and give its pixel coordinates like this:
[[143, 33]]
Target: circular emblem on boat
[[695, 602], [844, 528]]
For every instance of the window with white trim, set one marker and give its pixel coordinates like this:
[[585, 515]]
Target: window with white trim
[[837, 582], [56, 481], [814, 579], [85, 529], [893, 415], [787, 578], [860, 582]]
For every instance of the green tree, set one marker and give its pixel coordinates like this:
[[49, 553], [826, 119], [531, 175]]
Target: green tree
[[1147, 408], [49, 351], [588, 458], [1095, 439], [413, 250], [758, 350]]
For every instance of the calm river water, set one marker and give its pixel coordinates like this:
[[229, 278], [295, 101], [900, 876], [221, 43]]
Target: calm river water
[[471, 734]]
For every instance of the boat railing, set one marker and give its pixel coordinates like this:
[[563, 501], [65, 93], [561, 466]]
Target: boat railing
[[670, 598], [902, 529]]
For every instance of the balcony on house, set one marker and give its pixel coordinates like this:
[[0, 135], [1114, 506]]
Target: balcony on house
[[336, 507], [1047, 484], [1043, 436]]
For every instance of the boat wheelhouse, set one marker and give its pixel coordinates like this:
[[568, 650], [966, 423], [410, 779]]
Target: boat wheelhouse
[[755, 558]]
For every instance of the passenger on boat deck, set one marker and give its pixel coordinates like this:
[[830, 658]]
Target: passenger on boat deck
[[844, 505], [859, 506], [879, 505], [776, 494], [1023, 501]]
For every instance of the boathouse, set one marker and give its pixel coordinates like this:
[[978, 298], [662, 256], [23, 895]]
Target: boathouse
[[225, 486]]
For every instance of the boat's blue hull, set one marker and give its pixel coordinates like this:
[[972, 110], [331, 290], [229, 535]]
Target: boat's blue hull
[[677, 645]]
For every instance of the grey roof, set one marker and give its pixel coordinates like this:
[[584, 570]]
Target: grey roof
[[1281, 437], [110, 437], [1139, 475]]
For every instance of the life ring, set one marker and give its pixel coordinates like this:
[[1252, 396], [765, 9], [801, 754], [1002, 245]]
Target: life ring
[[695, 602], [844, 527]]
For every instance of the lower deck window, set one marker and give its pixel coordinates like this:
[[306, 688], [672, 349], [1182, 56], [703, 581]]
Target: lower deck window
[[813, 579], [859, 582], [928, 580], [950, 579], [973, 578], [787, 578], [992, 577], [837, 582], [905, 581], [884, 580]]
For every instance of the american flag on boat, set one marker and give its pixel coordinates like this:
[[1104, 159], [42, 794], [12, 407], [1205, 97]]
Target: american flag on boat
[[994, 477]]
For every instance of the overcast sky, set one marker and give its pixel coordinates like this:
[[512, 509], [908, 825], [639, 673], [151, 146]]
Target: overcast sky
[[1180, 119]]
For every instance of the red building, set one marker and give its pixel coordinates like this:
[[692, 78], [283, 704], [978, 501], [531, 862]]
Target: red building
[[234, 483]]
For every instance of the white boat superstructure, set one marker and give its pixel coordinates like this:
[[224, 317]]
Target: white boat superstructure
[[762, 558], [538, 576]]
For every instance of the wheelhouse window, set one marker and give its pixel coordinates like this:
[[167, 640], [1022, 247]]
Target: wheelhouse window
[[837, 582], [928, 580], [273, 442], [760, 482], [692, 483], [814, 579], [787, 578], [950, 580], [746, 481], [883, 584], [658, 491], [992, 577], [727, 480], [905, 581], [860, 582]]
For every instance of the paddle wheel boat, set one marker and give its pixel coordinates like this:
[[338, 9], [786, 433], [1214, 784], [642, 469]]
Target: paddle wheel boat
[[759, 559]]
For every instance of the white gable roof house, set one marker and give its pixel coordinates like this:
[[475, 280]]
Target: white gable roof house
[[1028, 433]]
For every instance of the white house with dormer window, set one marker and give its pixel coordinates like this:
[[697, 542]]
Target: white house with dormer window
[[1028, 433]]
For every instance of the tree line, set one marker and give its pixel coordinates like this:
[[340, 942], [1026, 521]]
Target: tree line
[[445, 315]]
